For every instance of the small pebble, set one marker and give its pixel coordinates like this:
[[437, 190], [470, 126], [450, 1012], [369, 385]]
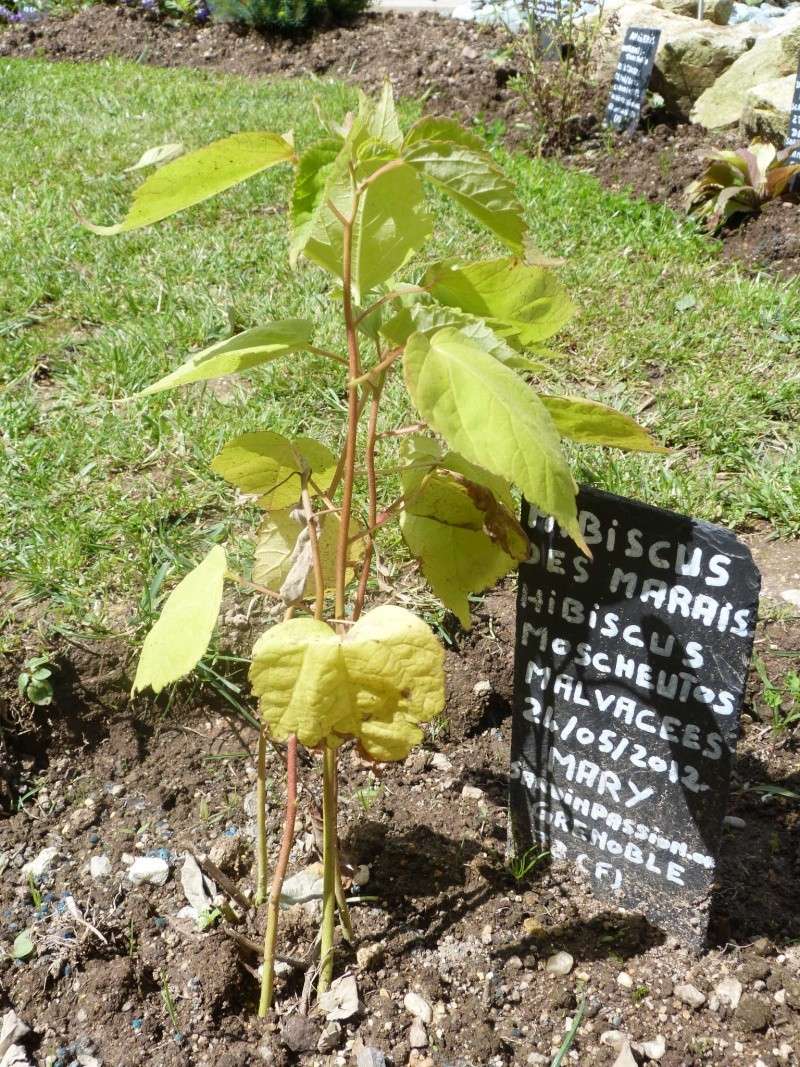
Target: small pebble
[[418, 1007], [690, 995], [559, 963], [624, 980]]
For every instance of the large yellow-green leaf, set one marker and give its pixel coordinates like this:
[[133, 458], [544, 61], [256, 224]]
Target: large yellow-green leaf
[[390, 222], [281, 540], [180, 637], [596, 424], [299, 674], [437, 128], [522, 303], [459, 523], [487, 414], [250, 349], [452, 161], [376, 684], [396, 670], [273, 466], [199, 175]]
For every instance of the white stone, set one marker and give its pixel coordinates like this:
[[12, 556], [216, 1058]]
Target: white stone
[[536, 1059], [150, 870], [791, 596], [482, 688], [779, 996], [417, 1037], [418, 1007], [614, 1039], [624, 980], [99, 868], [39, 864], [361, 876], [441, 762], [653, 1050], [729, 991], [559, 963], [486, 934], [690, 995], [198, 890], [472, 792]]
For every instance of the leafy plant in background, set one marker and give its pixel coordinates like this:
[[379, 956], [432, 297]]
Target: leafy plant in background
[[465, 336], [558, 63], [739, 183], [782, 698], [16, 12], [286, 16], [35, 681]]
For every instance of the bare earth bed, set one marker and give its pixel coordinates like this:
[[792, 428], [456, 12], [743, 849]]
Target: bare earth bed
[[444, 917]]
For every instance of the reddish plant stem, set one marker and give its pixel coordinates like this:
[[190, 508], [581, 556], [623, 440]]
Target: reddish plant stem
[[372, 493], [270, 935], [352, 413]]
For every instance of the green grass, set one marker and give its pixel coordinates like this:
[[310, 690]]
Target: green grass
[[98, 494]]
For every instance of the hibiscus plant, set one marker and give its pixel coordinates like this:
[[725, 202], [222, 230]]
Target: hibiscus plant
[[468, 339]]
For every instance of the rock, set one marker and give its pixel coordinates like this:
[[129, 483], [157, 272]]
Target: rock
[[691, 54], [614, 1039], [717, 11], [228, 854], [418, 1007], [626, 1057], [441, 762], [559, 963], [370, 957], [766, 111], [299, 1033], [536, 1059], [733, 822], [652, 1050], [12, 1030], [729, 991], [690, 995], [791, 988], [773, 55], [303, 887], [368, 1056], [486, 934], [330, 1038], [482, 688], [752, 1015], [40, 864], [791, 596], [417, 1036], [341, 1000], [472, 792], [148, 870], [99, 868], [624, 980]]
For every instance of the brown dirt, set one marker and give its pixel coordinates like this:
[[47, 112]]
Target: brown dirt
[[100, 776]]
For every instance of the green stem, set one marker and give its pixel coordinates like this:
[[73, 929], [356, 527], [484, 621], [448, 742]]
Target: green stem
[[261, 817], [329, 863], [271, 932]]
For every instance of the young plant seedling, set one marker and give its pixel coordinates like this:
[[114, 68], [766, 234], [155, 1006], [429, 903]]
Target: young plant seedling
[[466, 337]]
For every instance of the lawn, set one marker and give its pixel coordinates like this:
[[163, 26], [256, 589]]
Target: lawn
[[100, 494]]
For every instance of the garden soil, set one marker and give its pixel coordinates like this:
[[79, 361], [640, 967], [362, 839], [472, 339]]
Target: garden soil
[[458, 68], [122, 976]]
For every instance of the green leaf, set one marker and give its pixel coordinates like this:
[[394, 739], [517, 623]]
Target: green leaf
[[180, 637], [389, 225], [460, 168], [23, 945], [436, 128], [310, 181], [487, 414], [200, 175], [523, 304], [250, 349], [273, 466], [427, 318], [382, 123], [154, 157], [464, 535], [375, 684], [596, 424]]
